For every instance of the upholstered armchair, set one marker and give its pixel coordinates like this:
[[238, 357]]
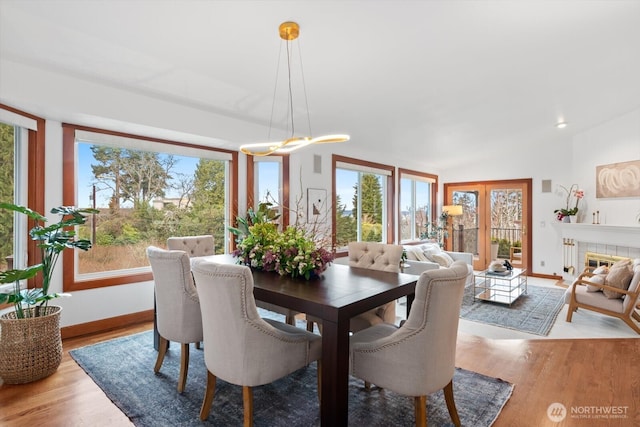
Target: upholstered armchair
[[417, 358], [177, 306], [193, 245], [239, 346], [594, 292]]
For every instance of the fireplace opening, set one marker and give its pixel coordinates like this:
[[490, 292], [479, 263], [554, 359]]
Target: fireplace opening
[[594, 259]]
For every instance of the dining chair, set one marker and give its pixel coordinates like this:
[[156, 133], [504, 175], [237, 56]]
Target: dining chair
[[194, 246], [197, 246], [417, 358], [177, 306], [375, 256], [239, 346]]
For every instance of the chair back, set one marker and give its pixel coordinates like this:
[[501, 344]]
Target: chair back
[[249, 351], [193, 245], [375, 256], [425, 345], [177, 303], [633, 297]]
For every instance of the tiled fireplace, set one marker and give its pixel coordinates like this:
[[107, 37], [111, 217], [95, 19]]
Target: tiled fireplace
[[616, 241]]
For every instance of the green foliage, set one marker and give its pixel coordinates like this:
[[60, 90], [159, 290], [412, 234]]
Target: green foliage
[[6, 189], [265, 214], [346, 226], [52, 240], [288, 253]]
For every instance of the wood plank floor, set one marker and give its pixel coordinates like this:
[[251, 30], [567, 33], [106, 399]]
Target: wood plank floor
[[584, 374]]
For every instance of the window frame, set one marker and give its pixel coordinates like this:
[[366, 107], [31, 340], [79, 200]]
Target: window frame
[[35, 182], [434, 197], [389, 200], [70, 283], [284, 191]]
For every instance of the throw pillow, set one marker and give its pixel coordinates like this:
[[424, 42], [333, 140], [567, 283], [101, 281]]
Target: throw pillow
[[429, 249], [603, 269], [620, 275], [597, 279], [415, 253], [443, 259]]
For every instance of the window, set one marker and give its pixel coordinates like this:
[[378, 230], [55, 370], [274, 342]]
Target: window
[[363, 194], [21, 182], [268, 181], [417, 201], [146, 191]]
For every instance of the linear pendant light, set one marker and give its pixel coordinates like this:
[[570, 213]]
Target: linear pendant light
[[290, 31]]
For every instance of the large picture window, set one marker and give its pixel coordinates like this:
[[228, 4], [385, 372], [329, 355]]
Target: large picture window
[[268, 181], [146, 191], [363, 194], [417, 200]]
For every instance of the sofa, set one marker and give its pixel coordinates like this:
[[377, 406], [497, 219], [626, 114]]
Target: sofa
[[429, 256]]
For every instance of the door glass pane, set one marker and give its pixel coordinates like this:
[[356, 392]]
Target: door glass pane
[[465, 226], [506, 220]]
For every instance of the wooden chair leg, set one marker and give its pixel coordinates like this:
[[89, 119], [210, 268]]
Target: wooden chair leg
[[247, 400], [163, 345], [635, 315], [209, 392], [184, 367], [197, 345], [309, 325], [420, 410], [367, 385], [570, 311], [633, 326], [451, 404]]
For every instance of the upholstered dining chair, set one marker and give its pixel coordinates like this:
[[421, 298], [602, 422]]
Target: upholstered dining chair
[[197, 246], [239, 346], [417, 358], [375, 256], [177, 306], [203, 245]]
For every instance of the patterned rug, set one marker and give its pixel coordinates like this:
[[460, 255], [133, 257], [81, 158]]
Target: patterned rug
[[534, 312], [123, 368]]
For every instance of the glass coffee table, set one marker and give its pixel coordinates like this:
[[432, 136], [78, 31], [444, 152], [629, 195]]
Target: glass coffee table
[[502, 288]]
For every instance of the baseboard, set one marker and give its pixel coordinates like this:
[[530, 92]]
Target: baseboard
[[106, 324], [545, 276]]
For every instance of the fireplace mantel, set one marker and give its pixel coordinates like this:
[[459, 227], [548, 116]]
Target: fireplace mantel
[[618, 235]]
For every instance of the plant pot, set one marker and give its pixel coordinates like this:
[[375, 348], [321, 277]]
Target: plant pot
[[494, 251], [573, 219], [30, 348]]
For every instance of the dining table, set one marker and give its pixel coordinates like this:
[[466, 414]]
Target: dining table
[[335, 296]]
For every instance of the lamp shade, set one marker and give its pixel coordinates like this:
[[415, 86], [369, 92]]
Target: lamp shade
[[452, 210]]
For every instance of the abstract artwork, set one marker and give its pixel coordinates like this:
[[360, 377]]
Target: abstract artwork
[[618, 180], [316, 205]]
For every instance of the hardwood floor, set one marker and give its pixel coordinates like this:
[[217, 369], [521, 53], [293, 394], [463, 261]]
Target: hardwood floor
[[588, 375]]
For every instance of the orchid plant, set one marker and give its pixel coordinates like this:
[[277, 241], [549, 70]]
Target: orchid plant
[[572, 192]]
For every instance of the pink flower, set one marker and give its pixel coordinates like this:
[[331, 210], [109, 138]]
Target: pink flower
[[579, 194]]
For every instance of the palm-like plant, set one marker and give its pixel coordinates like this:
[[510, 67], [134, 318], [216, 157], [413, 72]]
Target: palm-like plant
[[52, 240]]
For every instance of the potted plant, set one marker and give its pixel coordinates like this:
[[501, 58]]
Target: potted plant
[[30, 344]]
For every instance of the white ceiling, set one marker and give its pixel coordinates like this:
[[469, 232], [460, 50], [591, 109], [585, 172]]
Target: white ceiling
[[438, 75]]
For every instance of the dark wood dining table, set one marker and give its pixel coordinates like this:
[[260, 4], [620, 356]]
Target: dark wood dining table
[[339, 294]]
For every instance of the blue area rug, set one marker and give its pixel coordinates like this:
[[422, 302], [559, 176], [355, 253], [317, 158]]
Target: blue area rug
[[534, 312], [123, 368]]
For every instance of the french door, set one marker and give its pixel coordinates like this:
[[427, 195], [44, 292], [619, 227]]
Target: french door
[[494, 223]]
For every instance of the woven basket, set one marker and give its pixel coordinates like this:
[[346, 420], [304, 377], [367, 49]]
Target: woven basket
[[30, 348]]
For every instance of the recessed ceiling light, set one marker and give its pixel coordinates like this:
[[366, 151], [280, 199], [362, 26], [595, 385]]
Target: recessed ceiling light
[[561, 125]]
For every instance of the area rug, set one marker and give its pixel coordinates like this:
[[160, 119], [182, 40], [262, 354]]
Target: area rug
[[123, 368], [534, 312]]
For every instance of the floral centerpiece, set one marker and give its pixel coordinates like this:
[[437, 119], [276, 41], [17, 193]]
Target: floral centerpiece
[[287, 253], [572, 191], [290, 252]]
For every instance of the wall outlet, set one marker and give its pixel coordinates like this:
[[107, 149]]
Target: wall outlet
[[541, 263]]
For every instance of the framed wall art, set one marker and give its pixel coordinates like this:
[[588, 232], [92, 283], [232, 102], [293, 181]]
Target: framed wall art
[[618, 180], [316, 205]]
